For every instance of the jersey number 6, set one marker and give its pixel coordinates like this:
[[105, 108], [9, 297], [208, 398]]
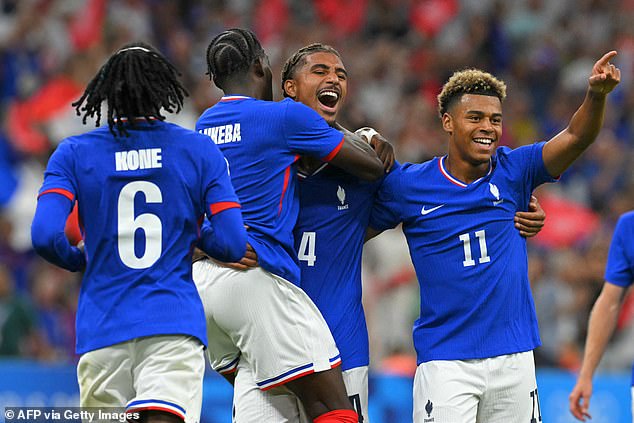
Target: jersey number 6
[[128, 224]]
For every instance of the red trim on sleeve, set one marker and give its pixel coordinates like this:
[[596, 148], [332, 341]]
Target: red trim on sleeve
[[60, 191], [222, 205], [334, 152]]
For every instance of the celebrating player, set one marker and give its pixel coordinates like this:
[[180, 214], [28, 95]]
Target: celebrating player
[[140, 321], [477, 325], [619, 275], [259, 317], [334, 213]]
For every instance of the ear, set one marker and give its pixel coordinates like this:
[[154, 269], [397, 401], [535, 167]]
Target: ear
[[447, 123], [290, 88], [258, 67]]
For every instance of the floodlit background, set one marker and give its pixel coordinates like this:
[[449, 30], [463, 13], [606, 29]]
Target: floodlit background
[[398, 54]]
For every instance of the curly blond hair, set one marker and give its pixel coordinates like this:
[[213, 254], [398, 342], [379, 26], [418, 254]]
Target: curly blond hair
[[469, 81]]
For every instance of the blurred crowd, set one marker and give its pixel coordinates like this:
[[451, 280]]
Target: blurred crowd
[[398, 53]]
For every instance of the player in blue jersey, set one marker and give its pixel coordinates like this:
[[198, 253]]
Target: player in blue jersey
[[477, 326], [619, 276], [334, 212], [260, 318], [143, 186]]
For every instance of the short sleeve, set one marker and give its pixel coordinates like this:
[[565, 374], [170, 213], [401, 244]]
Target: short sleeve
[[308, 133], [59, 176], [386, 210], [619, 269]]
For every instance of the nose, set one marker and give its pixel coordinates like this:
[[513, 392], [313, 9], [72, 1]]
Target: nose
[[487, 125], [332, 77]]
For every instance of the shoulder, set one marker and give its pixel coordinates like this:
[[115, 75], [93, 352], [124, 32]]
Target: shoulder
[[627, 219]]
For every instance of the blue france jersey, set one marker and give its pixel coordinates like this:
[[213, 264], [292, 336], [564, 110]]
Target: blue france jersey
[[334, 214], [470, 261], [619, 269], [140, 200], [262, 141]]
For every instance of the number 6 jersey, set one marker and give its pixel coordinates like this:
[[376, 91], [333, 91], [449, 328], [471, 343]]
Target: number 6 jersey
[[141, 199], [470, 260]]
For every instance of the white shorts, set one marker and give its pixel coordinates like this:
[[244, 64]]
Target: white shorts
[[162, 373], [501, 389], [356, 381], [253, 405], [272, 323], [281, 405]]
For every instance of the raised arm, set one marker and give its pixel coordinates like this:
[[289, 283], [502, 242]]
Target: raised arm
[[564, 148]]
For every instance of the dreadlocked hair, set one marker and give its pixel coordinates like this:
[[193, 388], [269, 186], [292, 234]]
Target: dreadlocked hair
[[298, 59], [230, 53], [469, 81], [137, 81]]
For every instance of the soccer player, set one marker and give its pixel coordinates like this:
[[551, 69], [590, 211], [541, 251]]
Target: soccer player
[[260, 317], [477, 326], [143, 186], [334, 213], [619, 275]]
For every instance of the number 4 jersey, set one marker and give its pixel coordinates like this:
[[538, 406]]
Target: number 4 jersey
[[140, 200], [470, 261]]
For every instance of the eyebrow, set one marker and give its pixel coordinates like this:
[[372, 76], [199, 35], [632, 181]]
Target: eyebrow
[[480, 113], [326, 67]]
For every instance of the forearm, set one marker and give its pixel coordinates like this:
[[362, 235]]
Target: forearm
[[601, 326], [357, 157], [225, 238], [47, 233], [587, 121]]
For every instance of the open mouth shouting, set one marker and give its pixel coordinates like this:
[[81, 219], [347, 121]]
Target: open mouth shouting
[[328, 99]]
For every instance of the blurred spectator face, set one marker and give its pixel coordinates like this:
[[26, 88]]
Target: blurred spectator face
[[321, 83]]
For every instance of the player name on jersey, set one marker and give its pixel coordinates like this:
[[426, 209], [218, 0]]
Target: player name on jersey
[[223, 134], [138, 159]]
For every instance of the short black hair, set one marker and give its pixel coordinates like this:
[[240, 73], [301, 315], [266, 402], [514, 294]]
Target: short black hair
[[231, 53], [298, 59], [136, 81]]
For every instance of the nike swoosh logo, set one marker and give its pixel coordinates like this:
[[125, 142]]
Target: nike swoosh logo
[[427, 211]]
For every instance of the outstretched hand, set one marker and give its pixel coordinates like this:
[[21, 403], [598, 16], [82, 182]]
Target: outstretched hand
[[605, 76]]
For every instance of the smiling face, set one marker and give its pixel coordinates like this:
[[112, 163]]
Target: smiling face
[[320, 83], [474, 125]]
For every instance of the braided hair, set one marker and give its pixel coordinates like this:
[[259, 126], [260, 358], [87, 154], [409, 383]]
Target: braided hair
[[298, 59], [136, 81], [231, 53]]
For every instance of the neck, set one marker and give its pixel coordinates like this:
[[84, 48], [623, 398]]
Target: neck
[[238, 88], [465, 171]]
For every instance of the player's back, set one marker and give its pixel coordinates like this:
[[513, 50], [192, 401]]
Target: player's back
[[141, 198], [261, 141]]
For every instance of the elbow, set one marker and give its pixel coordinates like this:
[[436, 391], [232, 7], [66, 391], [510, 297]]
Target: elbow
[[41, 241]]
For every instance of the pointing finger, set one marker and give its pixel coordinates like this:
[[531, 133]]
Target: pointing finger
[[606, 58]]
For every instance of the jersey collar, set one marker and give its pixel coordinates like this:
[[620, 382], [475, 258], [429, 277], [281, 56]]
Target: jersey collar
[[441, 166]]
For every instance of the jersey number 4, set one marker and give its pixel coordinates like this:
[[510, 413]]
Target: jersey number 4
[[128, 224], [307, 248]]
